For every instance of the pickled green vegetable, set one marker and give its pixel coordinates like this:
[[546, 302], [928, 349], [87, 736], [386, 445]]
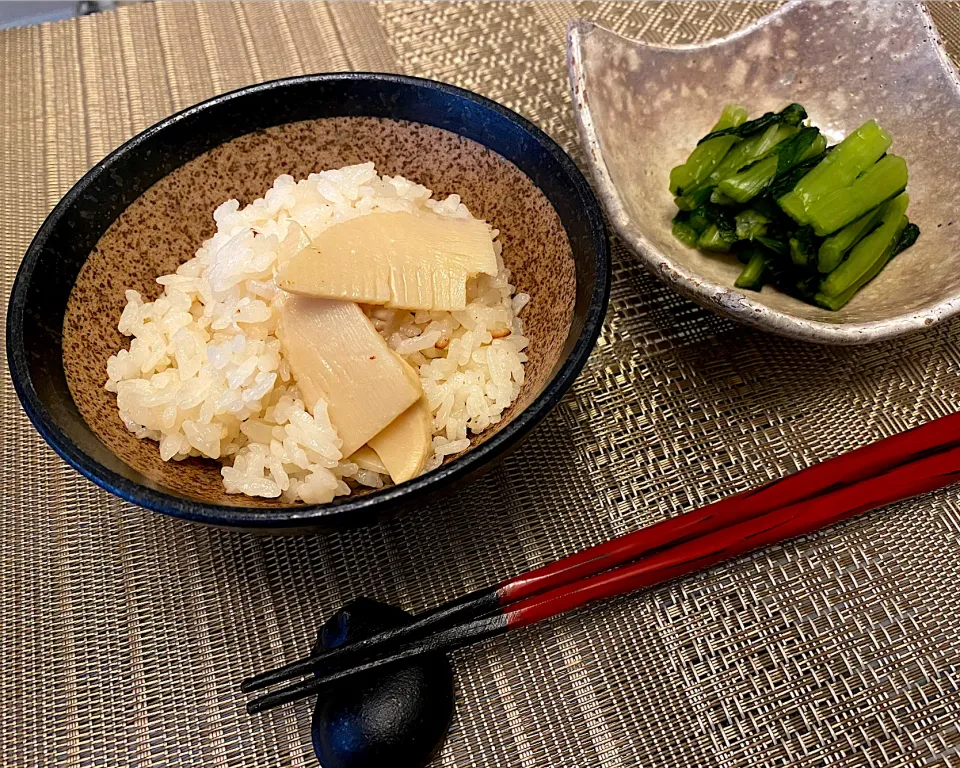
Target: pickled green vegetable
[[685, 233], [750, 224], [747, 183], [874, 248], [705, 157], [803, 248], [751, 278], [886, 179], [818, 222], [713, 240], [749, 151], [851, 157], [792, 114], [699, 165], [836, 246]]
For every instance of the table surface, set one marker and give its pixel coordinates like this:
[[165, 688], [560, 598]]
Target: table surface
[[124, 633]]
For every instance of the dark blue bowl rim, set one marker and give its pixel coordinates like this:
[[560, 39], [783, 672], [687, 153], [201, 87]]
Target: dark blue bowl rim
[[337, 512]]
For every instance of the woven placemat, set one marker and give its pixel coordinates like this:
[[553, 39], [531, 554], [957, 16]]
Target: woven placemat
[[124, 633]]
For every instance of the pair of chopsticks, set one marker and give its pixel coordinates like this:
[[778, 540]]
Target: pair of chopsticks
[[896, 468]]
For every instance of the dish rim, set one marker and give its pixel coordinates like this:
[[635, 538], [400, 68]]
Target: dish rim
[[724, 299], [349, 510]]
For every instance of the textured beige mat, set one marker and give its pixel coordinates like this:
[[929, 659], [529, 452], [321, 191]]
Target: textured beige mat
[[124, 634]]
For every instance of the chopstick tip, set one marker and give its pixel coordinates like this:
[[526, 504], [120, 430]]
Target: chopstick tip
[[258, 705]]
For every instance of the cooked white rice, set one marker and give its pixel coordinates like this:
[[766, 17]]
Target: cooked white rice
[[205, 375]]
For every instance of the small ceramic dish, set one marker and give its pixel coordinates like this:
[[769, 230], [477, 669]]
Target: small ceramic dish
[[148, 206], [640, 109]]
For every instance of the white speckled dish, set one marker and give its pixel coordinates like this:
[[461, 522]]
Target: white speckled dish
[[640, 109]]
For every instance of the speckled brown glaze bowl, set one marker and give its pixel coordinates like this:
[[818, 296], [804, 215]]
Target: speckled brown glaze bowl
[[641, 108], [148, 206]]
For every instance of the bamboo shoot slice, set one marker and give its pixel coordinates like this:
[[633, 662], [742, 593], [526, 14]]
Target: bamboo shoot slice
[[399, 259], [335, 353], [366, 458], [404, 446]]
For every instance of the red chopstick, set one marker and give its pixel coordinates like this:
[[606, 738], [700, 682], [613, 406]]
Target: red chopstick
[[804, 517], [869, 461], [865, 462], [931, 468]]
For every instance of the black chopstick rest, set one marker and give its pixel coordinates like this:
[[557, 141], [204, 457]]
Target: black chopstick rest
[[397, 716]]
